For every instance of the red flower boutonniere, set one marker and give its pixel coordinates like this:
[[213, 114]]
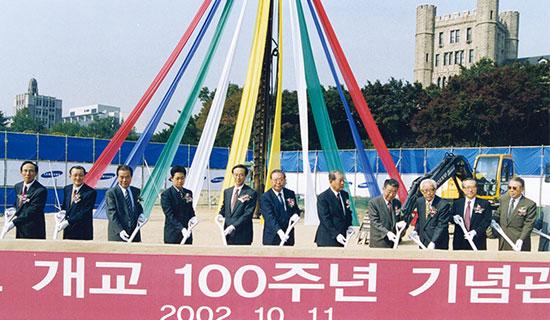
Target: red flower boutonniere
[[290, 202], [244, 198], [23, 198], [188, 198], [433, 211], [347, 203], [478, 209]]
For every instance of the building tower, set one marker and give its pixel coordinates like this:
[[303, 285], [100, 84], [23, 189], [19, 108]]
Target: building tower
[[424, 38], [511, 20], [486, 29]]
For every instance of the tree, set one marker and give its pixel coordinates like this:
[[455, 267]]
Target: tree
[[489, 105], [190, 136], [3, 121], [67, 128], [23, 122]]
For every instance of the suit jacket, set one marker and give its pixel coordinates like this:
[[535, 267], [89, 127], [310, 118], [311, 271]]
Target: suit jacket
[[241, 216], [382, 221], [520, 223], [276, 217], [119, 215], [479, 221], [80, 213], [29, 216], [333, 220], [436, 227], [178, 210]]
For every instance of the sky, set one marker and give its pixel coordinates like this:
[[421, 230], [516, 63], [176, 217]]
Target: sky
[[109, 51]]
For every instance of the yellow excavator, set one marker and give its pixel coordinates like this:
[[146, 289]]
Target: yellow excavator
[[491, 171]]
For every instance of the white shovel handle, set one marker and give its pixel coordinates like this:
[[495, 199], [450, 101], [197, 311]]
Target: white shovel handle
[[458, 219], [292, 222], [497, 227], [190, 226], [220, 221]]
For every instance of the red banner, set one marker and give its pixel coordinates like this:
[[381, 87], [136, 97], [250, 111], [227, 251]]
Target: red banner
[[45, 285]]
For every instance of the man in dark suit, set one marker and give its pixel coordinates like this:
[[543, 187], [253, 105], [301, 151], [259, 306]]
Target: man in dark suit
[[277, 205], [385, 212], [333, 208], [29, 204], [239, 203], [177, 205], [516, 216], [123, 207], [476, 214], [432, 225], [78, 203]]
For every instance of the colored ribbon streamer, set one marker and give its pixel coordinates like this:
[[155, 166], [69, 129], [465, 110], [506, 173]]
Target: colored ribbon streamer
[[243, 127], [158, 176], [319, 109], [310, 198], [359, 101], [374, 191], [275, 150], [136, 154], [197, 171], [116, 142]]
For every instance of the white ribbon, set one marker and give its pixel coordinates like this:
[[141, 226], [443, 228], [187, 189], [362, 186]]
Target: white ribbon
[[197, 171], [310, 198], [458, 220], [291, 223], [497, 227], [190, 226]]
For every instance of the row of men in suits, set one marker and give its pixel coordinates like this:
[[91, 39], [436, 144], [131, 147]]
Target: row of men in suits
[[516, 213], [516, 216], [30, 201]]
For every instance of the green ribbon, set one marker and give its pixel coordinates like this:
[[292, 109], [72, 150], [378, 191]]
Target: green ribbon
[[152, 187], [319, 108]]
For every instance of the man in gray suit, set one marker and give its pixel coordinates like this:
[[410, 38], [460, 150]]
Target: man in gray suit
[[385, 212], [123, 207], [516, 216]]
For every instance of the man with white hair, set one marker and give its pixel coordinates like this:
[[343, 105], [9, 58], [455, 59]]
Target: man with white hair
[[432, 225]]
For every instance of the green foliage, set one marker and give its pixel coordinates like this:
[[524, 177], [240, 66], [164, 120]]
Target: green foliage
[[22, 122], [489, 106]]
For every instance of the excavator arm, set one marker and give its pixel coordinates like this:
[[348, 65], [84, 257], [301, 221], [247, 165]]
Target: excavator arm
[[452, 167]]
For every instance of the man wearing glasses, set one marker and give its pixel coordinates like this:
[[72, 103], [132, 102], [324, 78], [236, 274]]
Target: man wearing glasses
[[516, 216], [432, 225]]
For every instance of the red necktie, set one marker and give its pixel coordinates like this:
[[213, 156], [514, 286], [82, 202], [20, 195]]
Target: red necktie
[[467, 216]]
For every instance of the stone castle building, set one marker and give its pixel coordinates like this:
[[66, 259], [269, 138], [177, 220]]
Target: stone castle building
[[444, 43]]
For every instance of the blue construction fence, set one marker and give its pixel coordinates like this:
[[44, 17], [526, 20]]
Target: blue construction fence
[[529, 161]]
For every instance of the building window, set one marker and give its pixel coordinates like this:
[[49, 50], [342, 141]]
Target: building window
[[461, 57], [441, 39], [427, 57], [436, 60], [471, 56], [457, 57], [450, 58], [443, 82], [469, 35], [439, 82], [491, 15], [445, 57], [454, 36]]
